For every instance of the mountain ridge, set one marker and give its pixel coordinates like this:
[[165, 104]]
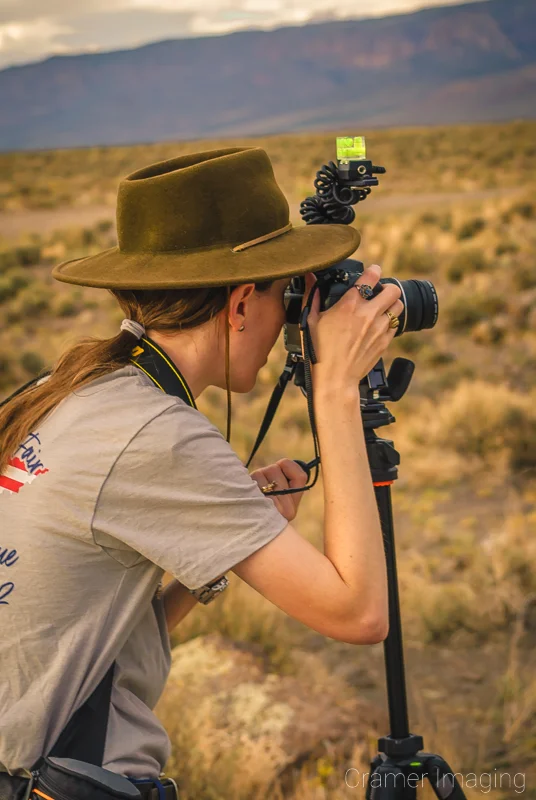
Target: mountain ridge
[[465, 63]]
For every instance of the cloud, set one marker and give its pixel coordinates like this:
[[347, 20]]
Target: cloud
[[21, 38], [29, 31]]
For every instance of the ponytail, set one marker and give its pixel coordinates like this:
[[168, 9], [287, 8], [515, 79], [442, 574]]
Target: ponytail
[[163, 310]]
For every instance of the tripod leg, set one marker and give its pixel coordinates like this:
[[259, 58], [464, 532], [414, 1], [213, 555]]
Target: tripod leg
[[389, 782], [443, 780]]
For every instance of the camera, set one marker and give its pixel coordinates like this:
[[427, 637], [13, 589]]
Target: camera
[[421, 306], [338, 187]]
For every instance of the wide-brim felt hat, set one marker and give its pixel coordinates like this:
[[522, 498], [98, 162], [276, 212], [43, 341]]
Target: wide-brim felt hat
[[207, 219]]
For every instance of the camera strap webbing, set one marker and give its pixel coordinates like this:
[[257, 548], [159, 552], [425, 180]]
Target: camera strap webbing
[[154, 362], [309, 357]]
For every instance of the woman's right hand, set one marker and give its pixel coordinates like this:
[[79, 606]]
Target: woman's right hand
[[350, 337]]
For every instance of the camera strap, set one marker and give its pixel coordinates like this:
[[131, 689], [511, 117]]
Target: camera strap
[[153, 361], [309, 357]]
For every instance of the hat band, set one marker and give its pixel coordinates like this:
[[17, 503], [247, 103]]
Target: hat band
[[265, 238]]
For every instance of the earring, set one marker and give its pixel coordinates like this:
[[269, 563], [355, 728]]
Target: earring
[[242, 328]]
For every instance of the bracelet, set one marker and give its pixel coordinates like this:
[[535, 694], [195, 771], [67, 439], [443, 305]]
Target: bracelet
[[207, 593]]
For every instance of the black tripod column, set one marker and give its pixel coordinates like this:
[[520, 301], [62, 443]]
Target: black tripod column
[[393, 646], [384, 461]]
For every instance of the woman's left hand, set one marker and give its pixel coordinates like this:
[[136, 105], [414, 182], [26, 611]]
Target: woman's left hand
[[288, 475]]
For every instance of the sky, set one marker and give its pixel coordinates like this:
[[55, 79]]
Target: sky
[[31, 30]]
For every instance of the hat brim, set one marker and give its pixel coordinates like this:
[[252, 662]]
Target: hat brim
[[304, 249]]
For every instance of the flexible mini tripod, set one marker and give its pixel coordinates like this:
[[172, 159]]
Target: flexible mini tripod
[[400, 766]]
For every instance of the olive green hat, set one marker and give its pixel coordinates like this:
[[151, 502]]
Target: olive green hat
[[207, 219]]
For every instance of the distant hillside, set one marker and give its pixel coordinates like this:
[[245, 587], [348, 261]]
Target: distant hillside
[[470, 63]]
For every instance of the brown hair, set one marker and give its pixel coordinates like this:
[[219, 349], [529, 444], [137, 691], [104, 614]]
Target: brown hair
[[162, 310]]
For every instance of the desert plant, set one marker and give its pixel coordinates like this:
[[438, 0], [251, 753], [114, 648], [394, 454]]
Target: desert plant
[[32, 362], [471, 228], [465, 262]]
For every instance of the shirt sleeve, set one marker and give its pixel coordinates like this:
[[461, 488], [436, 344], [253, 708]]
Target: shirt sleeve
[[180, 496]]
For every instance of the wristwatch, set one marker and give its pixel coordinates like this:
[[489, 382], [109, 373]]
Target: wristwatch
[[206, 594]]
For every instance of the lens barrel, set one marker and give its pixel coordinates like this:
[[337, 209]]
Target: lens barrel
[[421, 305]]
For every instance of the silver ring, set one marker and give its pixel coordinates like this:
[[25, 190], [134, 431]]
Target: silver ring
[[366, 291]]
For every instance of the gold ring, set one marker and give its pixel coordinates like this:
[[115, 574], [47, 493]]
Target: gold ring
[[268, 487], [394, 322]]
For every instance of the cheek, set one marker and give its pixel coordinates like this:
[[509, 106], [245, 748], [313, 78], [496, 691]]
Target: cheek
[[275, 324]]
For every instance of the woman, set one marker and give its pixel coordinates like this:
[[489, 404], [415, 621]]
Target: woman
[[109, 478]]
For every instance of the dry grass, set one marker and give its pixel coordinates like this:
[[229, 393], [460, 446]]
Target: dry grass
[[466, 502]]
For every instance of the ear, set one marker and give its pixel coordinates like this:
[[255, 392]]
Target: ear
[[239, 304]]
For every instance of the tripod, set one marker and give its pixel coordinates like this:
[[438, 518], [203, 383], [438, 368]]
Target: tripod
[[400, 766]]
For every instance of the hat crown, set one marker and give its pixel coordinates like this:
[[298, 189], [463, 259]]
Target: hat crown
[[198, 201]]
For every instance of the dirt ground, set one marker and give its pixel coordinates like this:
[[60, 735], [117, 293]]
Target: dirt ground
[[16, 223]]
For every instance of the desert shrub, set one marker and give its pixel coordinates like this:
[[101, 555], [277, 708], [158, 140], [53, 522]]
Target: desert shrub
[[504, 248], [439, 358], [471, 228], [32, 362], [6, 291], [19, 279], [20, 256], [7, 260], [413, 261], [465, 262], [429, 218], [88, 237], [439, 219], [526, 210], [31, 301], [524, 274], [486, 420], [104, 226], [67, 307], [445, 221], [466, 309], [11, 283], [449, 609], [488, 332], [27, 255], [410, 344], [6, 371]]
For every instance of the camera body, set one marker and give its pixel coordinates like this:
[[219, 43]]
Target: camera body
[[421, 305]]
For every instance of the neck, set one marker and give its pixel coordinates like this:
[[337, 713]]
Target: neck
[[193, 352]]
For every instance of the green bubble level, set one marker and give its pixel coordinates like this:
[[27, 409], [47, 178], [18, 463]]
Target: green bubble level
[[351, 147]]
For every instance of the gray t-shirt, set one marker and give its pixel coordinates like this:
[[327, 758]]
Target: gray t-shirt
[[119, 483]]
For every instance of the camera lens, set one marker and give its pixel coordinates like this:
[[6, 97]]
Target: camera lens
[[421, 305]]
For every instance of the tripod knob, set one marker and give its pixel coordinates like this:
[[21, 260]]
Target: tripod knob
[[387, 453]]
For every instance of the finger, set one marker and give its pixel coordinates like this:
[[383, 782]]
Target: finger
[[296, 476], [265, 476], [396, 309], [259, 477], [369, 276], [275, 473], [384, 300]]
